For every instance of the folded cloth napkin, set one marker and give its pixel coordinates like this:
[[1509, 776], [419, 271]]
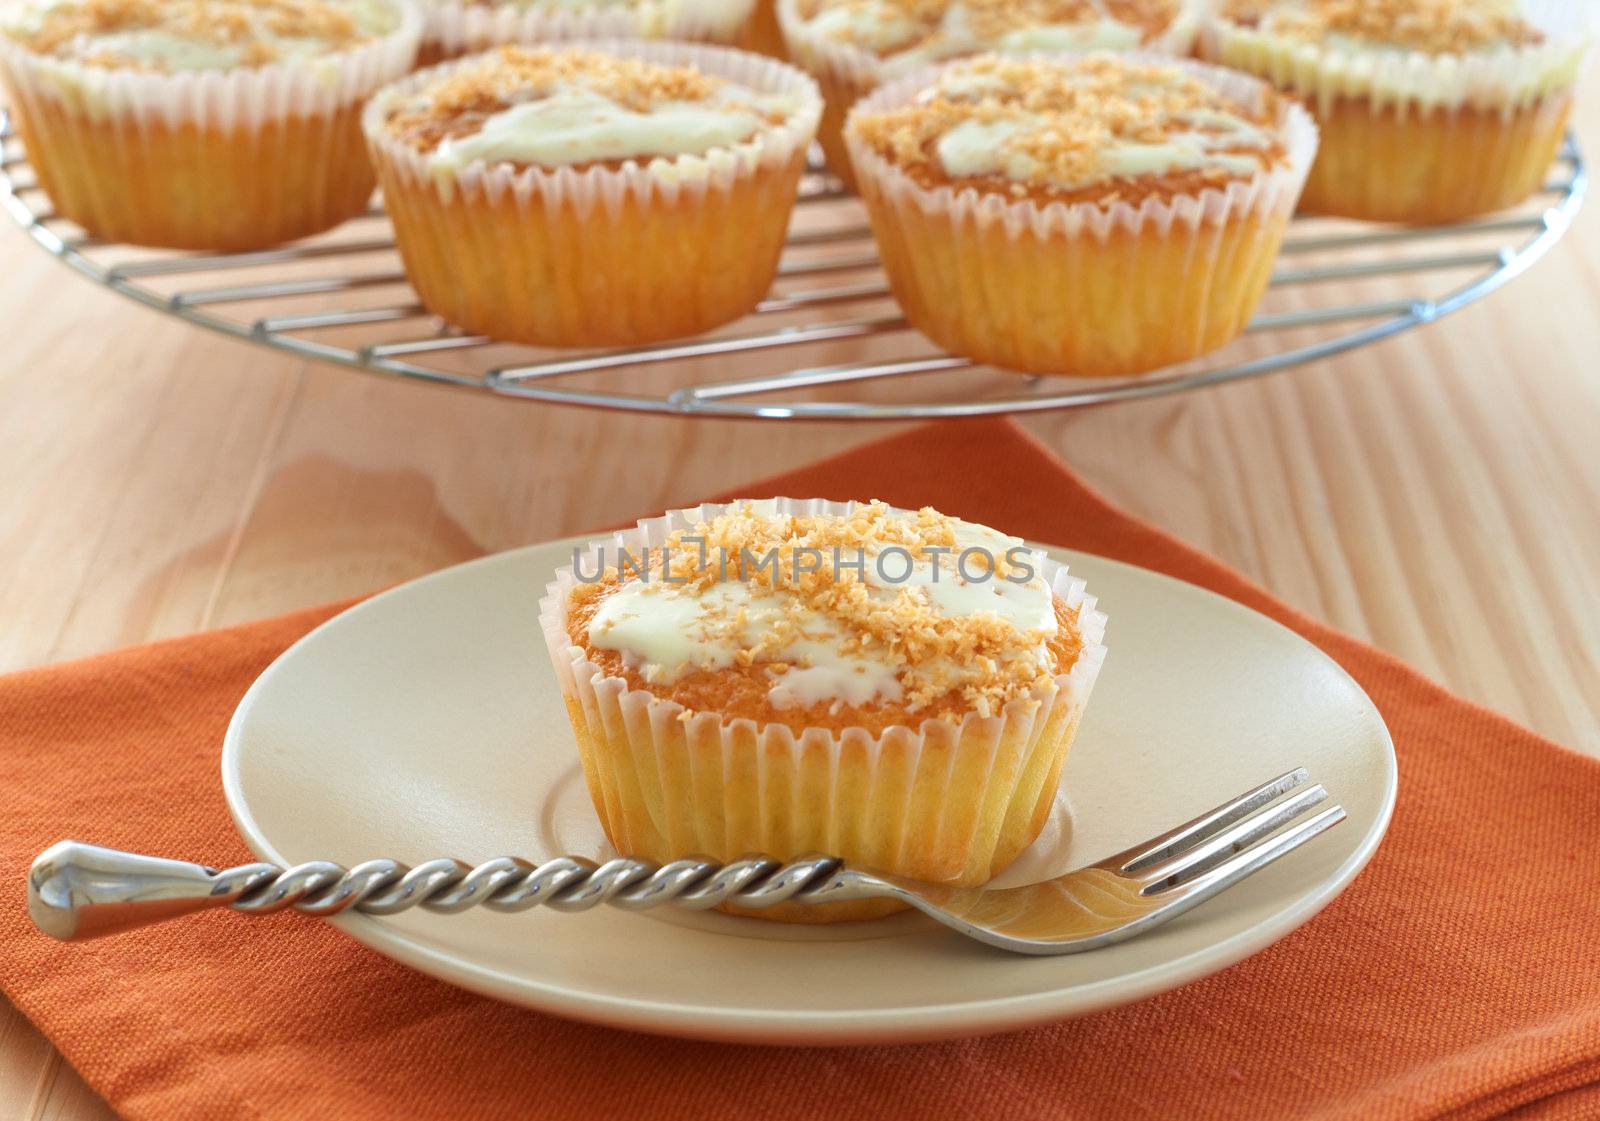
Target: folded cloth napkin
[[1459, 976]]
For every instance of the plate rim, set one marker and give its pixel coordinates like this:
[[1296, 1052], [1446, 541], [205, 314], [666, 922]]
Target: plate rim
[[815, 1027]]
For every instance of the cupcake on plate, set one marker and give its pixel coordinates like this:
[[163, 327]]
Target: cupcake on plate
[[1430, 110], [596, 194], [1094, 215], [853, 46], [457, 27], [898, 689], [201, 124]]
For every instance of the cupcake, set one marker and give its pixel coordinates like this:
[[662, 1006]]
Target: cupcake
[[201, 124], [853, 46], [1096, 215], [1430, 110], [592, 195], [457, 27], [896, 689]]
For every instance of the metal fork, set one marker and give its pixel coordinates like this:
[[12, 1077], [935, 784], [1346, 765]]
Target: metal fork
[[77, 890]]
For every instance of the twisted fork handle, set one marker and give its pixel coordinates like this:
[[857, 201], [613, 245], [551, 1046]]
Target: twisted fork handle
[[78, 890]]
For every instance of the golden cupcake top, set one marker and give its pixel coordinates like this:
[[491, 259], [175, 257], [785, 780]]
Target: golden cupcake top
[[1099, 129], [185, 35], [570, 107], [875, 617], [1432, 27], [912, 32]]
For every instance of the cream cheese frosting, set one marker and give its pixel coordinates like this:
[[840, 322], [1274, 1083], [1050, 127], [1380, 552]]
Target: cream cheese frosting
[[653, 18], [172, 36], [664, 632], [552, 108], [1069, 124], [1429, 26], [912, 33], [935, 605], [573, 124]]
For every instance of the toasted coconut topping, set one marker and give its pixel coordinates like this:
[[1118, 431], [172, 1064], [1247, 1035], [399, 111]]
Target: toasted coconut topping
[[169, 35], [1093, 127], [930, 29], [1429, 26], [572, 106], [864, 609]]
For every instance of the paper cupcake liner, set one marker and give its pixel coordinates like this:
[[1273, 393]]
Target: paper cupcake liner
[[455, 29], [950, 801], [606, 255], [222, 160], [1410, 82], [1080, 288], [847, 72], [1445, 166]]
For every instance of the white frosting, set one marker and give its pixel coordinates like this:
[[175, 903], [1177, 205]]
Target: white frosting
[[878, 26], [565, 5], [159, 49], [978, 148], [1025, 605], [165, 49], [1283, 17], [885, 28], [576, 125], [664, 630], [1102, 35], [654, 18], [975, 147]]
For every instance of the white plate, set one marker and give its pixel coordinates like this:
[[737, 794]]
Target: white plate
[[426, 722]]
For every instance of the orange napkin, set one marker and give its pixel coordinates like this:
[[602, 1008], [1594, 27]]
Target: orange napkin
[[1459, 976]]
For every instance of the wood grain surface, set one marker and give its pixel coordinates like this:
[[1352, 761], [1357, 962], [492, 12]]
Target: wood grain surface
[[1438, 494]]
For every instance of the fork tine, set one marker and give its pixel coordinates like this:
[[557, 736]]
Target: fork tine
[[1243, 834], [1191, 833], [1230, 872]]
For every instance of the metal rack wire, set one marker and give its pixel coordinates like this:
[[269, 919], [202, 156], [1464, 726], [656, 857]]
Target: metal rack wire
[[827, 343]]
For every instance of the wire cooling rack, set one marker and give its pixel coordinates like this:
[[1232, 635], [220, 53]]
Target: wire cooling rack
[[827, 343]]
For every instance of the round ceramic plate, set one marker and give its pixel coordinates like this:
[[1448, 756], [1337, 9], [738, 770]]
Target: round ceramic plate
[[426, 722]]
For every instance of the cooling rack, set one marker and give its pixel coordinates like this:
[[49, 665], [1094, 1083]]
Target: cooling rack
[[827, 343]]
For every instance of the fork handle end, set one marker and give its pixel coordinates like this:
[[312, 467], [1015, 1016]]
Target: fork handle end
[[78, 890]]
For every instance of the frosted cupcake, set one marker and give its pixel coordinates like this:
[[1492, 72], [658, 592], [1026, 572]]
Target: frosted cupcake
[[1098, 215], [853, 46], [201, 124], [593, 195], [456, 27], [1430, 110], [896, 689]]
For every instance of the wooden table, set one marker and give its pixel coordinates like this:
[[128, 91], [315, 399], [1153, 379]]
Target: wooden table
[[1438, 494]]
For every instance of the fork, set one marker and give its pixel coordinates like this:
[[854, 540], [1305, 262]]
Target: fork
[[78, 890]]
